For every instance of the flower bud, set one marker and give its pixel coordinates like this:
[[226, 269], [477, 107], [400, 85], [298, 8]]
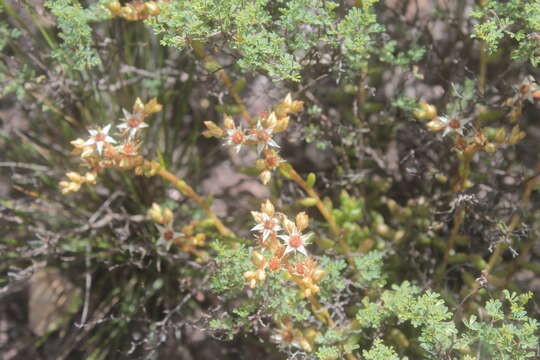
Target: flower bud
[[199, 239], [87, 152], [500, 136], [128, 13], [253, 283], [249, 275], [151, 8], [282, 124], [228, 123], [305, 345], [426, 111], [167, 216], [213, 130], [155, 213], [90, 177], [152, 106], [289, 225], [257, 258], [296, 106], [265, 177], [490, 148], [302, 221], [114, 7], [435, 125], [138, 106], [75, 177], [268, 208], [318, 274], [78, 143], [261, 275]]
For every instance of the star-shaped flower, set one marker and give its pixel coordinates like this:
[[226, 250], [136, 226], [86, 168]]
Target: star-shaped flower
[[295, 241], [132, 123], [262, 135], [235, 138], [167, 235], [99, 138], [452, 125], [266, 225]]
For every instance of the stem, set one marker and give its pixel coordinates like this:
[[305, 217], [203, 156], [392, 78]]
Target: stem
[[463, 174], [361, 95], [483, 61], [189, 192], [312, 193], [483, 69], [458, 220]]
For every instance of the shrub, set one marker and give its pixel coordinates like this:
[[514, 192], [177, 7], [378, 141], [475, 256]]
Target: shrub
[[376, 197]]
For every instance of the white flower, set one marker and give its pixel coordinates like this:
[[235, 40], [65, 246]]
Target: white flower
[[132, 123], [295, 241], [235, 138], [167, 235], [99, 138], [263, 136], [454, 125], [267, 225]]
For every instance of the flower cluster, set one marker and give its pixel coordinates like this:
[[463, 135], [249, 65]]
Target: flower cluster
[[280, 238], [137, 10], [101, 150], [487, 139], [259, 134]]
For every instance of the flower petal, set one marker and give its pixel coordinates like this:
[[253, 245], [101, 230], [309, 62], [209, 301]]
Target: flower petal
[[99, 146], [258, 227], [272, 143], [288, 250]]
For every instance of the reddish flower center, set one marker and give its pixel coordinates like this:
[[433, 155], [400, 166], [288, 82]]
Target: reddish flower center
[[272, 161], [100, 137], [287, 336], [269, 224], [295, 241], [300, 268], [263, 136], [454, 124], [274, 263], [168, 235], [128, 148], [237, 138], [133, 122]]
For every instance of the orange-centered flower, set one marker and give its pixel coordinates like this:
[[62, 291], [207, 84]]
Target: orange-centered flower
[[132, 123], [99, 138], [295, 241]]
